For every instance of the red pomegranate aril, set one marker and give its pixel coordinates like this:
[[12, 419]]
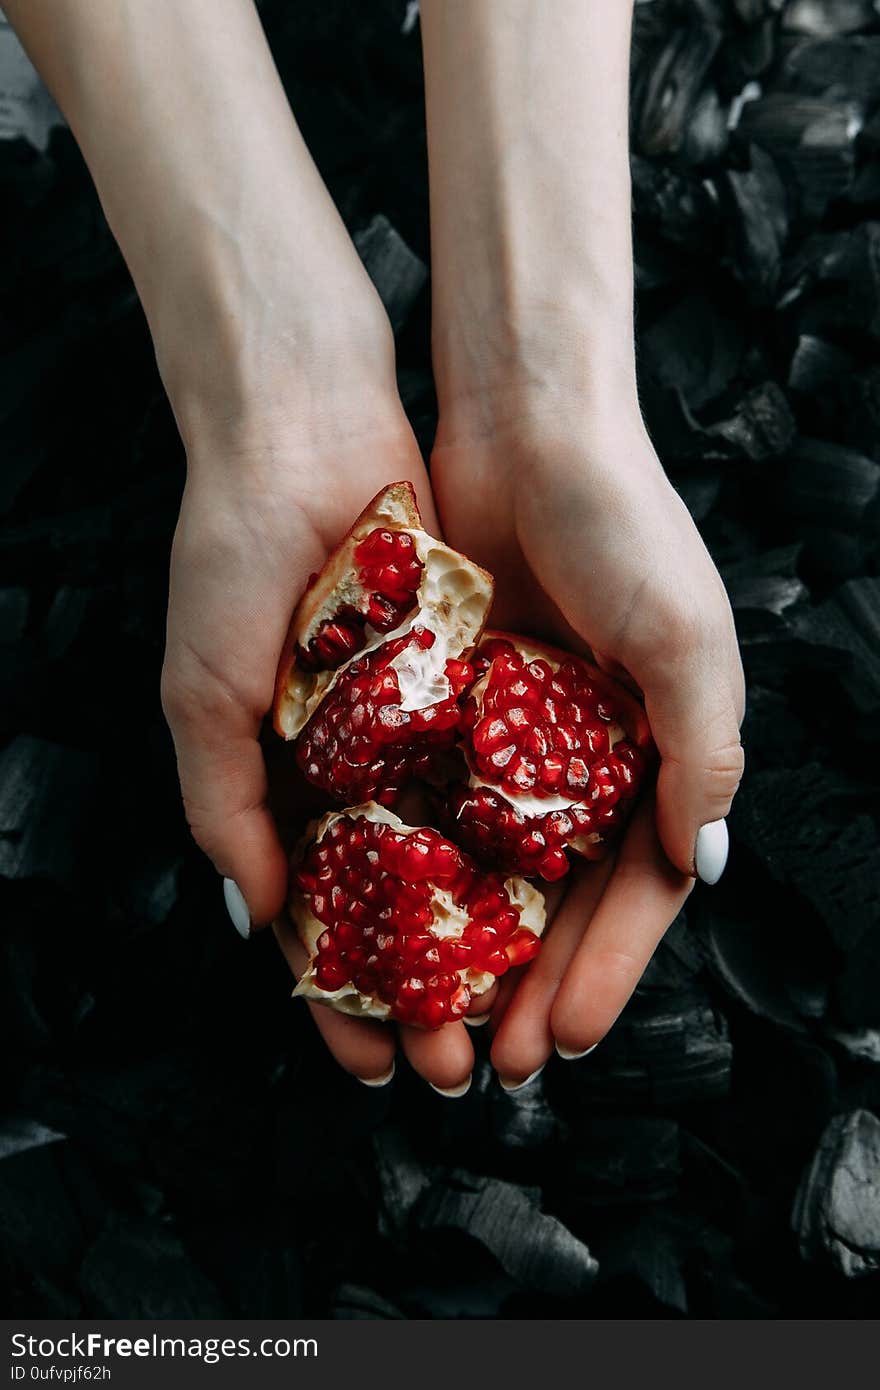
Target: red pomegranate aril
[[360, 744], [539, 729], [553, 865], [395, 953], [522, 947], [331, 974]]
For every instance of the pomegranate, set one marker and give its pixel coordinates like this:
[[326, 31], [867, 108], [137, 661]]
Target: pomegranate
[[375, 660], [399, 923], [555, 750]]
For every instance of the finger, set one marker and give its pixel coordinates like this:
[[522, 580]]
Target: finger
[[505, 990], [444, 1058], [480, 1009], [643, 895], [694, 707], [224, 785], [363, 1047], [524, 1039]]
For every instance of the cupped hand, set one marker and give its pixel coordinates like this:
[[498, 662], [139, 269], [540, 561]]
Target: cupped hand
[[592, 547], [264, 504]]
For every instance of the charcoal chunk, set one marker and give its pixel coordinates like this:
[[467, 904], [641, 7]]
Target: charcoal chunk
[[757, 207], [811, 836], [671, 86], [534, 1249], [44, 791], [394, 269], [836, 1212], [825, 18]]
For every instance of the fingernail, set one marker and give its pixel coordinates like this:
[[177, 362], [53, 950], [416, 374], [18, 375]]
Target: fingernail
[[237, 907], [452, 1091], [377, 1080], [477, 1021], [520, 1085], [568, 1056], [710, 851]]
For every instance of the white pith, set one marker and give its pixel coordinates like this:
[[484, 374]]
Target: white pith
[[530, 805], [452, 602], [449, 924]]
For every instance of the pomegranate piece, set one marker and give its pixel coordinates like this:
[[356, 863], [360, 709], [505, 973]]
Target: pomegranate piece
[[556, 751], [361, 743], [399, 923], [376, 657]]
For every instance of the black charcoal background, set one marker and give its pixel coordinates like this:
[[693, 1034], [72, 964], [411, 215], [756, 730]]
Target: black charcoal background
[[174, 1140]]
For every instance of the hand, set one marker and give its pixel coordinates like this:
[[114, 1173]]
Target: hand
[[570, 509], [265, 501]]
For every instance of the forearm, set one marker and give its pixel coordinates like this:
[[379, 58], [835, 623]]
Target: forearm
[[530, 195], [207, 185]]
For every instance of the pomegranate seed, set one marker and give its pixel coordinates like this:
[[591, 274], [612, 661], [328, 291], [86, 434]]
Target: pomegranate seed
[[376, 904], [540, 729]]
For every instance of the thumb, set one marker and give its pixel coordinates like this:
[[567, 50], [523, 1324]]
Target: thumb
[[694, 717], [224, 785]]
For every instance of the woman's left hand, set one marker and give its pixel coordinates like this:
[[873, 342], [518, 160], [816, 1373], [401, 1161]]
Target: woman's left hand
[[591, 547]]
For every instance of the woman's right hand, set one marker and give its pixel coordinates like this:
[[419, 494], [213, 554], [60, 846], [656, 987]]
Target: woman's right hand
[[272, 485]]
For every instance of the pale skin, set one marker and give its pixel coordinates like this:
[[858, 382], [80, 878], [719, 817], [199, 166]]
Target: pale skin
[[279, 364]]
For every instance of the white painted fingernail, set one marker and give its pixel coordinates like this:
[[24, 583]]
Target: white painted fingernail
[[237, 907], [710, 852], [377, 1080], [568, 1056], [453, 1092], [477, 1021], [520, 1085]]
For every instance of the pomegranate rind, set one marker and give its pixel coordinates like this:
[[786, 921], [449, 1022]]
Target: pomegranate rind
[[631, 723], [453, 600], [451, 920]]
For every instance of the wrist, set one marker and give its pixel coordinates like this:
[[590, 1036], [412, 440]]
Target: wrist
[[532, 363], [244, 344]]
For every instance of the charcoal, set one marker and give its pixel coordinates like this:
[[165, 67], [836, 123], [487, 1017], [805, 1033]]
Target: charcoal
[[814, 137], [394, 269], [694, 348], [166, 1105], [14, 606], [819, 66], [753, 11], [706, 136], [826, 18], [862, 1045], [757, 207], [831, 487], [650, 1255], [678, 207], [402, 1179], [18, 1134], [522, 1121], [857, 987], [761, 426], [664, 1051], [352, 1301], [837, 276], [736, 949], [836, 1213], [535, 1250], [816, 363], [848, 623], [699, 491], [671, 88], [65, 620], [811, 837], [46, 790], [136, 1269], [632, 1159]]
